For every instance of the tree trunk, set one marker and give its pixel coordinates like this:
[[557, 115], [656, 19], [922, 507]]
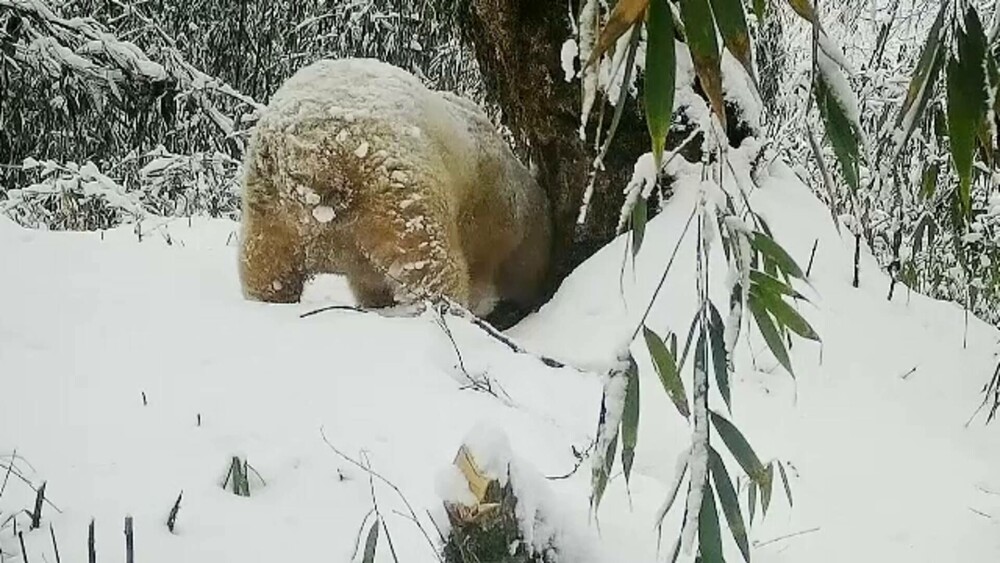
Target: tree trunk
[[517, 45]]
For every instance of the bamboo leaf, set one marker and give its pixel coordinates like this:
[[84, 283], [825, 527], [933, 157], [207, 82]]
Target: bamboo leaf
[[732, 22], [784, 314], [770, 332], [752, 499], [371, 543], [805, 9], [699, 27], [773, 285], [625, 14], [922, 84], [709, 535], [840, 130], [967, 101], [666, 368], [601, 474], [661, 75], [630, 417], [730, 502], [639, 218], [687, 342], [739, 447], [918, 234], [929, 184], [784, 481], [759, 9], [765, 487], [773, 251], [716, 332]]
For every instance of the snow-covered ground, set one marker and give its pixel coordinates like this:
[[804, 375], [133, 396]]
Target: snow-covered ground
[[134, 370]]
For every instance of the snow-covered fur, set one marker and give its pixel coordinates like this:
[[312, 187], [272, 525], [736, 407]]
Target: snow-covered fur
[[356, 168]]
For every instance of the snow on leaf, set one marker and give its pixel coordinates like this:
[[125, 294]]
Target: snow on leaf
[[967, 98], [922, 84]]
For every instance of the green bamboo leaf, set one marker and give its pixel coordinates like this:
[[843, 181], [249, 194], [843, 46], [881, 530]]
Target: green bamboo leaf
[[805, 9], [739, 447], [630, 417], [784, 314], [967, 101], [732, 22], [709, 534], [929, 183], [666, 368], [699, 27], [841, 132], [601, 474], [775, 253], [765, 487], [730, 502], [918, 235], [759, 9], [661, 75], [752, 499], [773, 285], [784, 481], [770, 332], [687, 342], [371, 543], [716, 332], [639, 217], [922, 84]]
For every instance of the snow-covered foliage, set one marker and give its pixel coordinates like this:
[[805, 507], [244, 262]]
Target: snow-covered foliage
[[904, 208], [127, 85]]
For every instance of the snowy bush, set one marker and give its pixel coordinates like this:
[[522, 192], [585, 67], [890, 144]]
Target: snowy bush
[[152, 94]]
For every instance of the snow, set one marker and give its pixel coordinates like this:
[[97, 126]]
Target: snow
[[882, 465], [567, 56]]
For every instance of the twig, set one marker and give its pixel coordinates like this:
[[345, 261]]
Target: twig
[[580, 458], [378, 514], [909, 373], [172, 517], [7, 475], [91, 549], [787, 536], [485, 384], [11, 471], [36, 515], [812, 256], [129, 541], [371, 472], [446, 306], [666, 271], [55, 546], [981, 513], [24, 552], [335, 308], [857, 261], [361, 531], [450, 307]]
